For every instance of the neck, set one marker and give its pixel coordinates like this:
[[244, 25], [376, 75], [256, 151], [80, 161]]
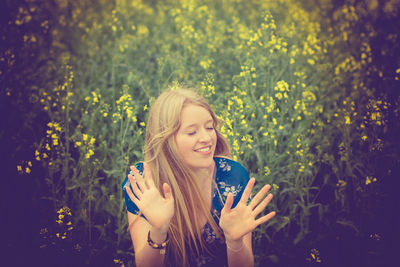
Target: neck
[[204, 175]]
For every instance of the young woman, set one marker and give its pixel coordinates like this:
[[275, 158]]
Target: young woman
[[188, 203]]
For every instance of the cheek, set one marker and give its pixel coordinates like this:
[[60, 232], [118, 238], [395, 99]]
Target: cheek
[[214, 136], [183, 143]]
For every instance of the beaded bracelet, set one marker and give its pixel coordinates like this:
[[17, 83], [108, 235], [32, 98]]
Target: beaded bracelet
[[234, 250], [161, 246]]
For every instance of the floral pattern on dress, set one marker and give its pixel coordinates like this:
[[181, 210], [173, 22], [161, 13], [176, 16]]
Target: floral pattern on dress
[[211, 238], [224, 166], [227, 188]]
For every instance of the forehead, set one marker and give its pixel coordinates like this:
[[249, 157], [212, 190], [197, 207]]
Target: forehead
[[194, 114]]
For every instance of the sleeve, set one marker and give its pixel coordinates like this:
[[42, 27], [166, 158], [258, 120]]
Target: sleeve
[[131, 207], [239, 177], [232, 177]]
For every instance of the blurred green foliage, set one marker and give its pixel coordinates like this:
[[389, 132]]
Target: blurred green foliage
[[293, 81]]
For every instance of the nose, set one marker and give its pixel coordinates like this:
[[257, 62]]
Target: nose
[[205, 136]]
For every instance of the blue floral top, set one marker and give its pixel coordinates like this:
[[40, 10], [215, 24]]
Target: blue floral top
[[230, 177]]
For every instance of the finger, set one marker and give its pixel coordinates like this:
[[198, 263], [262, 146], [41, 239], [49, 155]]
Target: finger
[[139, 179], [262, 205], [265, 218], [167, 191], [228, 203], [131, 195], [149, 177], [247, 191], [135, 188], [259, 196]]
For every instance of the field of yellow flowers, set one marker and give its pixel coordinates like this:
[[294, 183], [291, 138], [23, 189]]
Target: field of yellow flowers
[[307, 91]]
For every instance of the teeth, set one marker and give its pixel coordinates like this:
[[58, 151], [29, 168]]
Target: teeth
[[203, 149]]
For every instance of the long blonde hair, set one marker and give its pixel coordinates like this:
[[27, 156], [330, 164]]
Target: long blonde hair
[[167, 166]]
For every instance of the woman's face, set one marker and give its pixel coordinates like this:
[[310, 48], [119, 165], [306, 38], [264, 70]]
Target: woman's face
[[196, 137]]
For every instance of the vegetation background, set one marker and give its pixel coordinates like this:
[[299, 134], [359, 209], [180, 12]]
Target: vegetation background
[[307, 90]]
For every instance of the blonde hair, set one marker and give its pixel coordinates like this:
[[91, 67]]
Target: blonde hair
[[167, 166]]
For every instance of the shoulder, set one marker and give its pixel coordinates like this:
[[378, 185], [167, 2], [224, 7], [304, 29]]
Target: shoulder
[[231, 177], [230, 173], [229, 168], [131, 207]]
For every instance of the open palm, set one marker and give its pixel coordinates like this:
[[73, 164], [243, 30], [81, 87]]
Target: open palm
[[157, 209], [239, 221]]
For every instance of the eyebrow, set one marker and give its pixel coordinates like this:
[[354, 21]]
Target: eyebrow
[[195, 124]]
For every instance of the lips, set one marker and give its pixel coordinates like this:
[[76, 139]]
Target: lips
[[204, 149]]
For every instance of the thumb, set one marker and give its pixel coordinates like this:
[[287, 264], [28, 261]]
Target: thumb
[[228, 203], [167, 191]]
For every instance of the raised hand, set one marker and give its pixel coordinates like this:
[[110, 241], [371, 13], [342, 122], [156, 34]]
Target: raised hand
[[157, 209], [241, 220]]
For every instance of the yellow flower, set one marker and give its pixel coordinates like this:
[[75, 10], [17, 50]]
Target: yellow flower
[[369, 180], [364, 137], [78, 143], [19, 168], [89, 153], [267, 171], [85, 137], [282, 86], [92, 140], [347, 120], [142, 123]]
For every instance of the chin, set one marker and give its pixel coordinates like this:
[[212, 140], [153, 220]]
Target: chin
[[203, 164]]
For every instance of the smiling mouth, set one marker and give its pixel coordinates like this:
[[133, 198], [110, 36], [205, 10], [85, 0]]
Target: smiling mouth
[[204, 149]]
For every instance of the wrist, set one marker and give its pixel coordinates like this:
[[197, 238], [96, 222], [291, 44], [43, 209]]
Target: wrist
[[158, 235], [234, 245]]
